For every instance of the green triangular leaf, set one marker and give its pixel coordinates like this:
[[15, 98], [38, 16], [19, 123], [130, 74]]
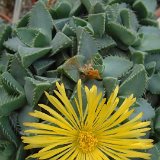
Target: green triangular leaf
[[29, 55], [71, 68], [155, 151], [116, 66], [34, 89], [154, 84], [7, 131], [13, 44], [59, 42], [41, 18], [125, 35], [5, 31], [99, 19], [145, 108], [135, 83], [87, 46], [150, 39]]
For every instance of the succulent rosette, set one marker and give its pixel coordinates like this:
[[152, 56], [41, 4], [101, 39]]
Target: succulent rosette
[[80, 80]]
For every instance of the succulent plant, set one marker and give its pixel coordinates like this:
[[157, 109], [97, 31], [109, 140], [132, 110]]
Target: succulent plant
[[102, 42]]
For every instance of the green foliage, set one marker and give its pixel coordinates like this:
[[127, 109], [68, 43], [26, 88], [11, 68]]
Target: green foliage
[[5, 31], [117, 40], [146, 108], [153, 58], [23, 116], [99, 19], [32, 37], [86, 44], [132, 85], [21, 154], [30, 55], [121, 33], [155, 151], [71, 67], [154, 82], [60, 42], [105, 42], [157, 121], [41, 19], [109, 84], [7, 150], [35, 88], [144, 7], [116, 66], [12, 94], [7, 131], [13, 44], [150, 39]]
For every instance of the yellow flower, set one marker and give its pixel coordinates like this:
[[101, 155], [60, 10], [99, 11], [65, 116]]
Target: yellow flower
[[97, 131]]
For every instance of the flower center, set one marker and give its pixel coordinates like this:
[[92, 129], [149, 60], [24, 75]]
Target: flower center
[[87, 141]]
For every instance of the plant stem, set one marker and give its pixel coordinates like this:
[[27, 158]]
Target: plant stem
[[17, 10]]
